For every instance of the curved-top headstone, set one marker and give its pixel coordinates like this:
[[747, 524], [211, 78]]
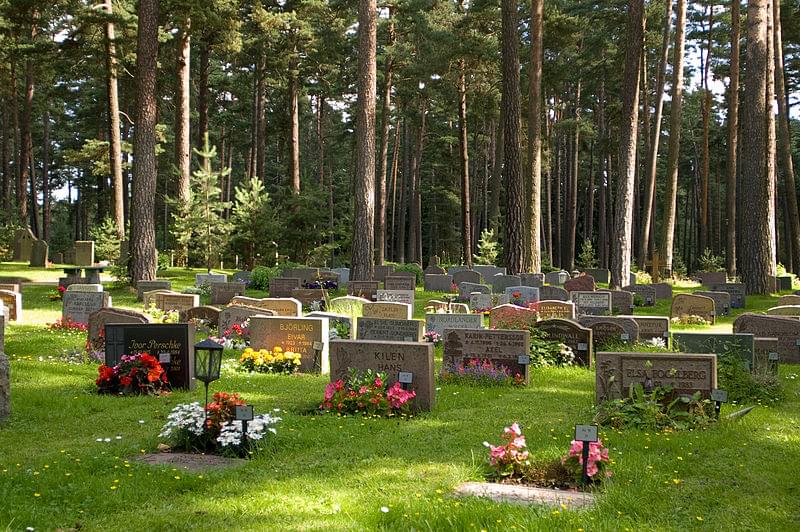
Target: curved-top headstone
[[602, 333], [572, 334], [99, 318], [206, 313], [791, 299], [581, 283], [466, 276], [553, 293], [645, 291], [500, 282], [512, 317], [693, 305], [722, 301], [785, 329], [785, 310]]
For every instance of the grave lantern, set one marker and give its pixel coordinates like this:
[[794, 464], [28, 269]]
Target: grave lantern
[[207, 362]]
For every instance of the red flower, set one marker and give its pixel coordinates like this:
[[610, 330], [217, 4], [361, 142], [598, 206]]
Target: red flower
[[126, 381]]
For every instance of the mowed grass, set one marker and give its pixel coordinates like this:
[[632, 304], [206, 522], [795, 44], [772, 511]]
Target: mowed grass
[[325, 472]]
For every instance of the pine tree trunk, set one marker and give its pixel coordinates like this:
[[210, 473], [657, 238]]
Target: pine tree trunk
[[260, 124], [392, 242], [497, 175], [755, 209], [202, 92], [706, 163], [784, 141], [46, 174], [143, 239], [514, 184], [572, 217], [294, 135], [535, 135], [674, 135], [402, 208], [183, 150], [114, 143], [6, 155], [629, 123], [466, 226], [733, 140], [364, 214], [26, 143], [321, 139], [386, 123]]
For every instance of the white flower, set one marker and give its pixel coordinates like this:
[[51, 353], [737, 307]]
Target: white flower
[[384, 509], [190, 417]]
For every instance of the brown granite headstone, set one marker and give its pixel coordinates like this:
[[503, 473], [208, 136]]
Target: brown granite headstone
[[644, 291], [13, 302], [466, 276], [709, 278], [581, 283], [179, 302], [508, 348], [391, 358], [298, 335], [785, 329], [207, 314], [283, 286], [693, 305], [238, 314], [651, 327], [99, 318], [553, 293], [571, 334], [663, 290], [398, 282], [611, 328], [222, 293], [621, 301], [555, 309], [281, 306], [364, 289], [386, 310]]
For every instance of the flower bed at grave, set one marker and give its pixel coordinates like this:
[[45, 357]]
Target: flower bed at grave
[[326, 285], [67, 325], [57, 294], [214, 429], [265, 361], [432, 337], [480, 373], [139, 374], [509, 463], [367, 394], [160, 316], [690, 319], [237, 337]]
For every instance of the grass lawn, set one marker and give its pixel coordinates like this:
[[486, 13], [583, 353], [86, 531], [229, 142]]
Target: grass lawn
[[325, 472]]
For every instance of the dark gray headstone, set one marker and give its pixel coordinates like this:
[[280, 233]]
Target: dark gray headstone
[[736, 290], [718, 343], [571, 334], [466, 276]]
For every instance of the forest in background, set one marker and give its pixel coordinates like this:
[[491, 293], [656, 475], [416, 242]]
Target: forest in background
[[275, 87]]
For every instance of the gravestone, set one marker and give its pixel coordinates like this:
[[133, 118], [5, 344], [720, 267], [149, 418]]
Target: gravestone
[[5, 383], [281, 306], [387, 310], [283, 286], [205, 279], [783, 283], [459, 308], [364, 289], [39, 252], [244, 277], [382, 271], [299, 335], [556, 278], [632, 278], [222, 293], [532, 279], [438, 283], [434, 305], [792, 299], [344, 275], [313, 298], [439, 322], [591, 303], [549, 309], [645, 291], [397, 282], [693, 305], [786, 330], [391, 358], [581, 283], [238, 314], [501, 347], [57, 258], [306, 275], [84, 253], [148, 286], [466, 276], [172, 341], [209, 315], [2, 330], [348, 305], [600, 275], [85, 288], [611, 328], [685, 373], [155, 298], [488, 271], [621, 301], [501, 282], [522, 295], [512, 317], [785, 310], [23, 245], [717, 343], [553, 293], [69, 256], [327, 276], [466, 289], [711, 278], [480, 302], [389, 330], [651, 327], [179, 302], [397, 296], [663, 290], [571, 334], [78, 306], [434, 268], [736, 290], [722, 301], [333, 321], [11, 287], [766, 356], [452, 270], [100, 318]]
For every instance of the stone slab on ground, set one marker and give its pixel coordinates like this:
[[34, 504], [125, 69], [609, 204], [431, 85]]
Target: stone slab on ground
[[190, 461], [526, 495]]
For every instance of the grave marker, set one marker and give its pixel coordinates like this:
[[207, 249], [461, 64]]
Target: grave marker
[[283, 286], [693, 305], [365, 289], [592, 303], [397, 296], [555, 309], [466, 276], [84, 253], [553, 293], [717, 343], [532, 279], [512, 317], [651, 327], [387, 310], [100, 318], [39, 252], [78, 306], [281, 306], [480, 302], [298, 335], [439, 322], [501, 347], [736, 290], [466, 289], [611, 329], [571, 334], [207, 314], [179, 302], [581, 283], [313, 298], [148, 286], [645, 291], [23, 244], [501, 282], [238, 314], [600, 275], [398, 282], [786, 330], [389, 330], [222, 293], [722, 301], [438, 283]]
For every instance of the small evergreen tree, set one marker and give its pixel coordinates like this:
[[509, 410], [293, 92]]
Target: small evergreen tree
[[254, 224], [199, 223], [487, 248], [587, 258]]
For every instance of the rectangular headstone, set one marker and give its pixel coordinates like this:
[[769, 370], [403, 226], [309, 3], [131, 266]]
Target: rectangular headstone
[[465, 276], [786, 330], [389, 330], [313, 298], [365, 289], [645, 291], [439, 322], [298, 335], [466, 289], [621, 301], [391, 358], [238, 314], [488, 271], [222, 293], [77, 306], [148, 286], [204, 279], [556, 278], [39, 254], [736, 290], [398, 282], [532, 279], [501, 282], [156, 339], [438, 283], [600, 275], [509, 316], [556, 309], [592, 303], [510, 349], [84, 253], [710, 278], [651, 327], [685, 373], [13, 302], [306, 275], [179, 302], [522, 295], [783, 283], [100, 318], [717, 343], [283, 286], [722, 301], [85, 288], [387, 310], [382, 271], [397, 296], [663, 290], [11, 287], [344, 275], [553, 293], [480, 302]]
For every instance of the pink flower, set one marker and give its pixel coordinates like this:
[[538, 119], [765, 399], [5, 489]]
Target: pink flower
[[378, 382], [513, 429], [330, 389]]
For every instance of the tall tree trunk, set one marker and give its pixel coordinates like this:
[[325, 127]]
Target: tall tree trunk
[[574, 167], [392, 242], [321, 139], [548, 185], [294, 136], [415, 226], [674, 135], [364, 215], [755, 247], [26, 142], [706, 163], [46, 174], [466, 227], [386, 123], [20, 191], [629, 123], [771, 134], [784, 140], [402, 208], [648, 211], [557, 176], [114, 143], [514, 184], [183, 150], [497, 176], [260, 124], [202, 92], [733, 140], [8, 178], [143, 239], [535, 135]]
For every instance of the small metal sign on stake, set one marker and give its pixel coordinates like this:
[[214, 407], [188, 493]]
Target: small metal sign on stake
[[317, 347], [773, 359], [244, 413], [719, 397], [405, 378], [524, 360], [585, 434]]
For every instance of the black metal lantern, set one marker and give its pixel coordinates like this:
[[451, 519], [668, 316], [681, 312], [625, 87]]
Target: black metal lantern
[[207, 362]]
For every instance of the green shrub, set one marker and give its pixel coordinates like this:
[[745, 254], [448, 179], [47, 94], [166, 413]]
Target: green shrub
[[742, 385], [658, 409], [259, 278], [409, 267], [587, 257], [545, 352], [106, 241], [488, 248], [708, 262]]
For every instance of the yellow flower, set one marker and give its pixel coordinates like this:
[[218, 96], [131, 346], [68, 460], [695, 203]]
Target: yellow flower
[[297, 362], [277, 349]]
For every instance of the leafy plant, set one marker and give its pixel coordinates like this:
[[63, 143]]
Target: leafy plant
[[545, 352], [265, 361], [366, 393], [135, 375], [741, 384], [658, 409], [587, 257], [708, 262], [106, 241], [480, 373], [597, 463], [261, 275], [488, 248], [254, 224]]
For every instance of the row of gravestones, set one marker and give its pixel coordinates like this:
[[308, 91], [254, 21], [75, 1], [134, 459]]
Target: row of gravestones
[[27, 248]]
